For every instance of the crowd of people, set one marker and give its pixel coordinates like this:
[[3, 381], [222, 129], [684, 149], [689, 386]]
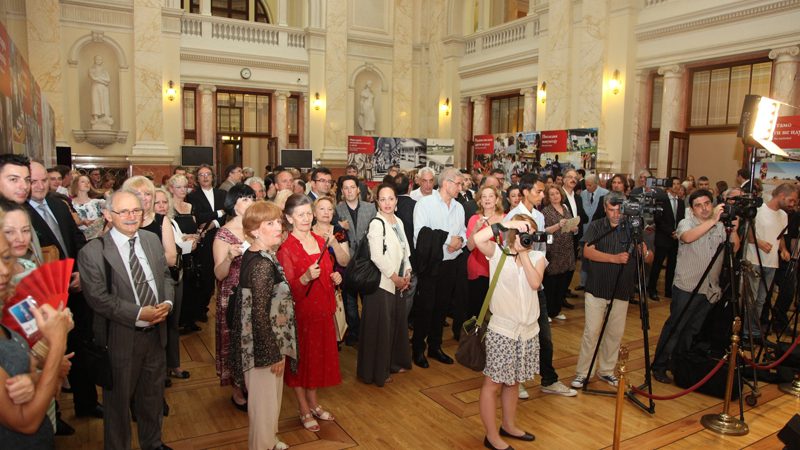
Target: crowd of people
[[272, 252]]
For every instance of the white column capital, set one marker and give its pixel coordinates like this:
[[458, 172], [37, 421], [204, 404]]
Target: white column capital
[[672, 71], [207, 88], [785, 54], [479, 99], [282, 95], [527, 92]]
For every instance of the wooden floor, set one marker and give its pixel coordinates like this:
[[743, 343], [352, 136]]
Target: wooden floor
[[438, 407]]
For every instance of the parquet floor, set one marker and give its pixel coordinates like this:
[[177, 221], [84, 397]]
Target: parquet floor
[[437, 407]]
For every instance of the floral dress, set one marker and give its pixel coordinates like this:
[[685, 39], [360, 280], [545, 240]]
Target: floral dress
[[224, 291], [91, 210]]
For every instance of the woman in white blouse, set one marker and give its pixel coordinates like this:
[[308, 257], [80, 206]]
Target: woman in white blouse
[[512, 337], [384, 345]]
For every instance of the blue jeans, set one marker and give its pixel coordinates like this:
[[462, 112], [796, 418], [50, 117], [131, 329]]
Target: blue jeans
[[678, 336], [758, 287]]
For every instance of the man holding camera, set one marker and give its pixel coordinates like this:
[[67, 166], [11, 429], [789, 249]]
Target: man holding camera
[[610, 282], [770, 223], [699, 236]]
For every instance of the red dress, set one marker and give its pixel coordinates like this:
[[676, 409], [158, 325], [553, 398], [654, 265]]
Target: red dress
[[318, 356]]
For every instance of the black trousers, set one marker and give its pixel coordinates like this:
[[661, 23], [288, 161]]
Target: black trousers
[[84, 392], [555, 286], [662, 253], [208, 281], [548, 372], [435, 292]]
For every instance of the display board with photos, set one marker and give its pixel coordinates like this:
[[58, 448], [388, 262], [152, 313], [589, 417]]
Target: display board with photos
[[373, 155], [551, 151], [26, 120]]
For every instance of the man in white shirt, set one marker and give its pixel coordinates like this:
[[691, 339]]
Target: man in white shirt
[[770, 224], [426, 179]]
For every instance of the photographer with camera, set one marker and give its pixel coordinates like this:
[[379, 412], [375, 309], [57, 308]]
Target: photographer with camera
[[608, 255], [771, 221], [699, 235]]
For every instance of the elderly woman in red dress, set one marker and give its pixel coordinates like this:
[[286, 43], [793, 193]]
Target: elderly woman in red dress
[[312, 281]]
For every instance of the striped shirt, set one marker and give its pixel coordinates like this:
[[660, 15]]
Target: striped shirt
[[601, 276], [693, 258]]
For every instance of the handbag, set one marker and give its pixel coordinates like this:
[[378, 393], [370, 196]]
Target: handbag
[[471, 351], [362, 275], [339, 319]]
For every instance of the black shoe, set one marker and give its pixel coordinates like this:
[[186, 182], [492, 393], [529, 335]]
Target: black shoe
[[167, 382], [661, 376], [351, 341], [163, 447], [653, 296], [524, 437], [440, 356], [165, 407], [567, 305], [190, 328], [241, 407], [489, 445], [96, 412], [63, 428], [421, 360]]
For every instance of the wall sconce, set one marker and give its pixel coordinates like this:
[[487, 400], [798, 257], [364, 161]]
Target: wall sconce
[[445, 107], [614, 84], [171, 91], [317, 103], [543, 92]]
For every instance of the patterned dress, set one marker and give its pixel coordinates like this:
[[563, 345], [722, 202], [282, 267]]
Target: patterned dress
[[91, 210], [314, 305], [225, 289]]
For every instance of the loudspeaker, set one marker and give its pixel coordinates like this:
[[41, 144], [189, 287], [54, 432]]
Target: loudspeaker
[[64, 156], [790, 434]]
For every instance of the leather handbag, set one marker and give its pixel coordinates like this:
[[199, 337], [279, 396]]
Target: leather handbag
[[339, 319], [362, 275], [471, 351]]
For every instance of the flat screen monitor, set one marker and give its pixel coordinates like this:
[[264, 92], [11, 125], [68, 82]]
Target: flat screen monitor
[[193, 155], [298, 158]]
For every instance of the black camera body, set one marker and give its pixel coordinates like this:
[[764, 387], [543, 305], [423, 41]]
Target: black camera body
[[528, 239], [639, 205], [745, 206]]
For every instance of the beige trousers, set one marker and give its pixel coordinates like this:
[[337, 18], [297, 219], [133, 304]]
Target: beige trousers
[[264, 394], [595, 309]]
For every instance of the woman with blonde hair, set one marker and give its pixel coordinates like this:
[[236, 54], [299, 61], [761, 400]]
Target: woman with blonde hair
[[267, 328], [181, 214]]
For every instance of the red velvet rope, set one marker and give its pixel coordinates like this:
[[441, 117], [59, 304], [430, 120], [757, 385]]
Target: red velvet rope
[[682, 393], [775, 363]]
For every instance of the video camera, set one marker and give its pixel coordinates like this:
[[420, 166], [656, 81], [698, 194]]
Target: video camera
[[638, 205], [653, 182], [745, 206], [528, 239]]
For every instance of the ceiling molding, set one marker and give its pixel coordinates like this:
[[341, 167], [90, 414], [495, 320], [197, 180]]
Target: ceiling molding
[[244, 62]]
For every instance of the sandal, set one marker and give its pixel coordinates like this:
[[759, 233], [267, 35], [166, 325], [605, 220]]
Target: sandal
[[280, 446], [321, 414], [309, 423]]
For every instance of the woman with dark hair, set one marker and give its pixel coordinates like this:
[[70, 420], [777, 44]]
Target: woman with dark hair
[[514, 195], [560, 253], [312, 281], [269, 187], [617, 183], [384, 345], [229, 244]]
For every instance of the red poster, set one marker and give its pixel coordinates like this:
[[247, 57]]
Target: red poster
[[483, 144], [5, 62], [554, 141], [787, 132], [360, 144]]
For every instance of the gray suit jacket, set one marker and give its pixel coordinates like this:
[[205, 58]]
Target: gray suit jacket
[[366, 211], [117, 309]]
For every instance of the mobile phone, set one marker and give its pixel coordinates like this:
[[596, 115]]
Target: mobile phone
[[23, 314]]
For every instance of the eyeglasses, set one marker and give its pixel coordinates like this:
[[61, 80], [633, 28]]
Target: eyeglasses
[[457, 183], [129, 212]]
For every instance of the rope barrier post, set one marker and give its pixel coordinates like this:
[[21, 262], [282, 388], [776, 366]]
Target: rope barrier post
[[621, 371], [724, 423], [793, 387]]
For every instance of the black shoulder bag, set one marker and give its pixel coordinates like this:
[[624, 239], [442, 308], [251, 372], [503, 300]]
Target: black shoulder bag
[[362, 275]]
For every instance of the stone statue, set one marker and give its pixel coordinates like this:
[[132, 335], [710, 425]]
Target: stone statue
[[101, 108], [366, 116]]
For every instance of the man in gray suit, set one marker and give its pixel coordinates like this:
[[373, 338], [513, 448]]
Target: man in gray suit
[[354, 216], [130, 304]]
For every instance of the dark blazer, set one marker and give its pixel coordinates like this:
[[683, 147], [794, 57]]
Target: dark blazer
[[202, 210], [74, 239], [579, 213], [405, 212], [666, 222], [117, 309]]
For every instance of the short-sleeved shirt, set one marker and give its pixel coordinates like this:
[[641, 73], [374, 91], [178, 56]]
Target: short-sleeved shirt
[[602, 277], [693, 258], [769, 225]]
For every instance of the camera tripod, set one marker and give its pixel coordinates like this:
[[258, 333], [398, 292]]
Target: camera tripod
[[632, 226]]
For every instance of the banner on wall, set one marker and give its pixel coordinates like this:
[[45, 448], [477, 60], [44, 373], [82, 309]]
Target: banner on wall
[[787, 134], [373, 156]]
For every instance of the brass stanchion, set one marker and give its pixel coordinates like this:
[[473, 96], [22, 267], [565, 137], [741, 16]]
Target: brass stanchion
[[621, 370], [724, 423], [793, 387]]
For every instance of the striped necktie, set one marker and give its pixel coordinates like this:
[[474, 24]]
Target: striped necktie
[[146, 295]]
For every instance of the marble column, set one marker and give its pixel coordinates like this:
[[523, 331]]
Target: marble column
[[529, 111], [208, 114], [464, 137], [786, 66], [44, 58], [302, 120], [402, 65], [640, 124], [555, 63], [336, 90], [148, 79], [479, 123], [205, 7], [281, 123], [283, 12], [672, 106], [592, 37]]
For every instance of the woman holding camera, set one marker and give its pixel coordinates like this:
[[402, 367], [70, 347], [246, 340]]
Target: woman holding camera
[[512, 336]]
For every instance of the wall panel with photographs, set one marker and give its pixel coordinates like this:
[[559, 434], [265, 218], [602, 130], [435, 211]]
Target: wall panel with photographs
[[373, 156]]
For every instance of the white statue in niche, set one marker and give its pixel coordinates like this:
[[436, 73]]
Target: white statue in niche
[[101, 108], [366, 116]]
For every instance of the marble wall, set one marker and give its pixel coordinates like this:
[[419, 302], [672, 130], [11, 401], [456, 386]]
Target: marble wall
[[147, 76], [44, 58], [335, 80], [402, 87]]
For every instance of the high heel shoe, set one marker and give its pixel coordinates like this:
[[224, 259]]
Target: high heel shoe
[[489, 445]]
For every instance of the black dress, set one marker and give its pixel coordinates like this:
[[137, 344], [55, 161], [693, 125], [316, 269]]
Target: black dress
[[191, 280]]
